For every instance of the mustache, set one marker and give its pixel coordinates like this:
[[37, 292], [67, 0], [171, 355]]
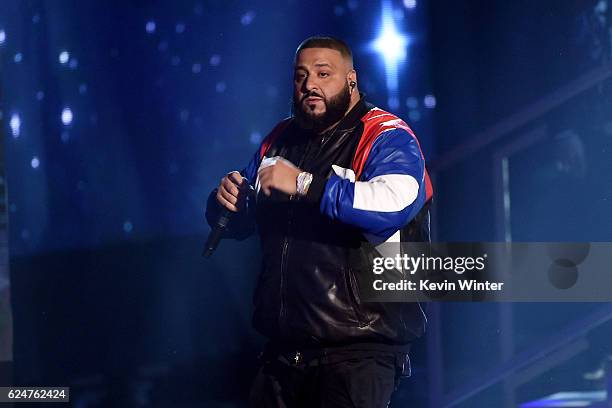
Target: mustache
[[311, 94]]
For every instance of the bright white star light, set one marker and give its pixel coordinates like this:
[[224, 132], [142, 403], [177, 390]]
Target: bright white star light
[[64, 56], [390, 43], [67, 116], [2, 37], [410, 4], [15, 124]]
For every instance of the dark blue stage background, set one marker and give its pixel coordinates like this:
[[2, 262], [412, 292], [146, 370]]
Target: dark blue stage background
[[119, 117], [130, 112]]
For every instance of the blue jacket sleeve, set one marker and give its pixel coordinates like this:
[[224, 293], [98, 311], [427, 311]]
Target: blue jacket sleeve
[[389, 193]]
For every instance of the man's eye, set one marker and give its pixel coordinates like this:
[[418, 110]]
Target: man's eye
[[323, 74], [299, 76]]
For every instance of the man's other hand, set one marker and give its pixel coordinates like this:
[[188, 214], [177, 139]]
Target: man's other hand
[[280, 175], [233, 191]]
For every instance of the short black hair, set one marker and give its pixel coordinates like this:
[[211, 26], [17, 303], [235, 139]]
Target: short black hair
[[319, 41]]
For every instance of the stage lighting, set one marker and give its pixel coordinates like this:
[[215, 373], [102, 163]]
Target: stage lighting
[[429, 101], [247, 18], [410, 4], [255, 138], [391, 44], [2, 37], [128, 226], [67, 116], [150, 27], [64, 56], [15, 124], [215, 60]]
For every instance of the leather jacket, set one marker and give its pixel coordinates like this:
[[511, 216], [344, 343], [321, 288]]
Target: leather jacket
[[369, 186]]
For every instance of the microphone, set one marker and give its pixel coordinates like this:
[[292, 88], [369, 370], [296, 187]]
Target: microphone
[[216, 233]]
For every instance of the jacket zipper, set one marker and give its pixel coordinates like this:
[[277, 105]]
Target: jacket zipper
[[283, 268], [285, 250]]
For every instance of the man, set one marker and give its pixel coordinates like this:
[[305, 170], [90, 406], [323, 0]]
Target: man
[[325, 186]]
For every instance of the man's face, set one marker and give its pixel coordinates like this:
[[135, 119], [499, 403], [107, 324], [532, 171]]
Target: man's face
[[321, 94]]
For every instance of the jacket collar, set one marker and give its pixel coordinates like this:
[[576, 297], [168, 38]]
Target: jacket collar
[[352, 118], [348, 123]]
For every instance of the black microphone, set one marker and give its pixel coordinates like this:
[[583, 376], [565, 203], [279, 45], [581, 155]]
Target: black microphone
[[217, 233]]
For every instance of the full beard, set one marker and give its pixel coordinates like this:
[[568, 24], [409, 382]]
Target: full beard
[[335, 109]]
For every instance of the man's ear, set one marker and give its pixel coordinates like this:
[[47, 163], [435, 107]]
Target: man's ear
[[352, 76]]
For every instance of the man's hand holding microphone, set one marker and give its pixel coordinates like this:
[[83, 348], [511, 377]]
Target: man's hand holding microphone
[[274, 173], [233, 191]]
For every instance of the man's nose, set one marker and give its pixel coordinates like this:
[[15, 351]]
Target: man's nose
[[310, 85]]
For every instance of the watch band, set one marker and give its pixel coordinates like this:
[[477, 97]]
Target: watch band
[[303, 182]]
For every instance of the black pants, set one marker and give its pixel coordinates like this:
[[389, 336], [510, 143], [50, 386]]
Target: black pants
[[355, 379]]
